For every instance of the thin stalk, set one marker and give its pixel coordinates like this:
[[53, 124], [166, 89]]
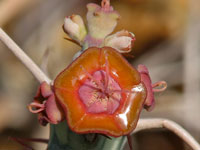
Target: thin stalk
[[19, 53], [144, 124]]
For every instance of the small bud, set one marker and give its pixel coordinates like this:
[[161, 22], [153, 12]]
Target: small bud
[[122, 41], [46, 106], [75, 28], [101, 20], [145, 78], [159, 86]]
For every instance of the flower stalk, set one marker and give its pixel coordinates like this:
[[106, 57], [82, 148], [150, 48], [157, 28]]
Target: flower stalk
[[25, 59]]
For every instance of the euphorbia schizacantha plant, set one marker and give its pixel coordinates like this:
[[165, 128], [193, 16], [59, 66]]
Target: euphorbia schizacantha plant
[[99, 92]]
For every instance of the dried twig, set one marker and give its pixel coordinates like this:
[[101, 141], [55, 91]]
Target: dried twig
[[142, 124], [35, 70], [170, 125]]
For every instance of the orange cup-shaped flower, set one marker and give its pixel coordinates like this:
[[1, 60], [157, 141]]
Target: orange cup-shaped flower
[[100, 92]]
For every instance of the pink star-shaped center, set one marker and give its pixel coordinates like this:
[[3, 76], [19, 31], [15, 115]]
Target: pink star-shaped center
[[100, 93]]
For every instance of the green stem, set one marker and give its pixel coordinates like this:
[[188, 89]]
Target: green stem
[[62, 138]]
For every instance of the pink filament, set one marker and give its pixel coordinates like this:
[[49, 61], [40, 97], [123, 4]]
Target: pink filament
[[160, 86], [36, 105]]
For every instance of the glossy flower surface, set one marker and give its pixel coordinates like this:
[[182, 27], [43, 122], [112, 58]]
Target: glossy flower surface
[[101, 92]]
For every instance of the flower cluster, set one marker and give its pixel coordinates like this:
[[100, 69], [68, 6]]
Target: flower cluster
[[101, 22], [99, 92]]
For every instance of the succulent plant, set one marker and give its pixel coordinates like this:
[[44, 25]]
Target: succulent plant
[[99, 93]]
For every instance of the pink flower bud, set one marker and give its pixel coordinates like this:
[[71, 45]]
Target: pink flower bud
[[122, 41], [46, 106], [150, 88]]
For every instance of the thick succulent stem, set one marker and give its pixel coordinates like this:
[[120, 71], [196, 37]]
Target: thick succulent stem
[[62, 138]]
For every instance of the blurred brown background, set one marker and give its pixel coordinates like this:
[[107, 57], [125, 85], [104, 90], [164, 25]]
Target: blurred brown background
[[167, 41]]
